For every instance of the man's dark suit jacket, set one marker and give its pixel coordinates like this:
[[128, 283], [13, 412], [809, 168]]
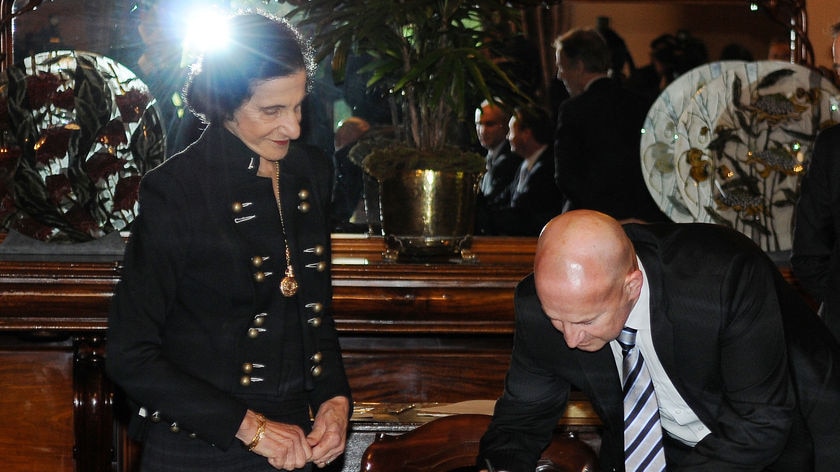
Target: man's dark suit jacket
[[816, 237], [596, 146], [720, 315], [527, 212], [502, 173]]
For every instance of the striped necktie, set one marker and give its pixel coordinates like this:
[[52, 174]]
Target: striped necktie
[[642, 431], [487, 179]]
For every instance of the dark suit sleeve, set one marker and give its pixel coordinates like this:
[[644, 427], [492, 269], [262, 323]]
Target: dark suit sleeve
[[532, 403], [147, 291], [814, 235], [751, 421]]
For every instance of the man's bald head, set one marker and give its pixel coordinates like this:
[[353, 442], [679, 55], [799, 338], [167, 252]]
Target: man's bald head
[[579, 246], [585, 270], [349, 131]]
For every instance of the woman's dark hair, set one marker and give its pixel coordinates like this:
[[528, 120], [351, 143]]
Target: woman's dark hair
[[260, 48]]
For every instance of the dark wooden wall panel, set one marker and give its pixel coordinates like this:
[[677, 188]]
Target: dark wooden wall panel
[[426, 374], [36, 407]]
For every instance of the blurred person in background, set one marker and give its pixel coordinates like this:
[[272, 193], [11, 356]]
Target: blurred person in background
[[348, 187], [492, 128], [596, 143], [532, 198], [815, 257]]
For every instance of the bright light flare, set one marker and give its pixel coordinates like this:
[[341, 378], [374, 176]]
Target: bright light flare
[[206, 30]]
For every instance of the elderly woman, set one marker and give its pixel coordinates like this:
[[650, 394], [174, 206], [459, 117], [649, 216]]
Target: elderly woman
[[220, 330]]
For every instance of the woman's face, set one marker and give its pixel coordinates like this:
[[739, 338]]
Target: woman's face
[[270, 119]]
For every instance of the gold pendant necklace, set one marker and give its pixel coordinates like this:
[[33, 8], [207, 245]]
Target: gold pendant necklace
[[289, 284]]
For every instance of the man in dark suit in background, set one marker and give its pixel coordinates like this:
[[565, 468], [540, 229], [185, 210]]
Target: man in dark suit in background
[[491, 128], [532, 198], [348, 178], [745, 376], [816, 237], [815, 256], [596, 143]]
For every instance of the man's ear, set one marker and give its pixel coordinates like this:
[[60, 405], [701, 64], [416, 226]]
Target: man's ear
[[633, 284]]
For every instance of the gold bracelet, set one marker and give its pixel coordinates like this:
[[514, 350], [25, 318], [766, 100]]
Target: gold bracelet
[[260, 433]]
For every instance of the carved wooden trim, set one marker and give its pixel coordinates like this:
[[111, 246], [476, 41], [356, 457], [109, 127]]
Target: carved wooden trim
[[93, 406]]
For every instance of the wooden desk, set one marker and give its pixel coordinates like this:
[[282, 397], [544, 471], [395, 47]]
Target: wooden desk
[[372, 419]]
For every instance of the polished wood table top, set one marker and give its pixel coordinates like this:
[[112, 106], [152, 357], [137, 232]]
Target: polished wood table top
[[579, 412]]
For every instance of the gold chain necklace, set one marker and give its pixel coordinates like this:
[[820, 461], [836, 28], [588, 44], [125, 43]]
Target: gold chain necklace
[[289, 284]]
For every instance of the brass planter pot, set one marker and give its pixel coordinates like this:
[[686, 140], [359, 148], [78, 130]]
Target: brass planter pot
[[427, 213]]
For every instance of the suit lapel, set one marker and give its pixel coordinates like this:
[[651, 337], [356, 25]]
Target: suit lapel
[[662, 331], [603, 384]]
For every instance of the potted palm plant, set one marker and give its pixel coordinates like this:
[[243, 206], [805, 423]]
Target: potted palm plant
[[435, 59]]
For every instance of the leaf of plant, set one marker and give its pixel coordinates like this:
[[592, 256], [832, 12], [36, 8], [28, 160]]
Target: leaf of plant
[[807, 137], [148, 146], [756, 226], [32, 200], [772, 78], [93, 104], [736, 92], [717, 218], [21, 118]]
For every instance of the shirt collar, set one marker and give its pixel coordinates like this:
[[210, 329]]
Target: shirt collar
[[494, 153], [639, 318], [589, 84], [533, 158]]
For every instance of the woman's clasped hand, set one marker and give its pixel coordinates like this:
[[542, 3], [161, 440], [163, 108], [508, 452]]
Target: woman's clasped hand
[[287, 447]]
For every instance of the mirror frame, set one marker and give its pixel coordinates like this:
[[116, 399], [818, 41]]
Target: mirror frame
[[6, 33], [788, 13]]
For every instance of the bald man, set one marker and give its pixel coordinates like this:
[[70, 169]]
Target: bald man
[[491, 128], [744, 373]]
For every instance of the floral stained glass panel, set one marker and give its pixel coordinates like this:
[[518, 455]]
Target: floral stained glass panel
[[77, 131]]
